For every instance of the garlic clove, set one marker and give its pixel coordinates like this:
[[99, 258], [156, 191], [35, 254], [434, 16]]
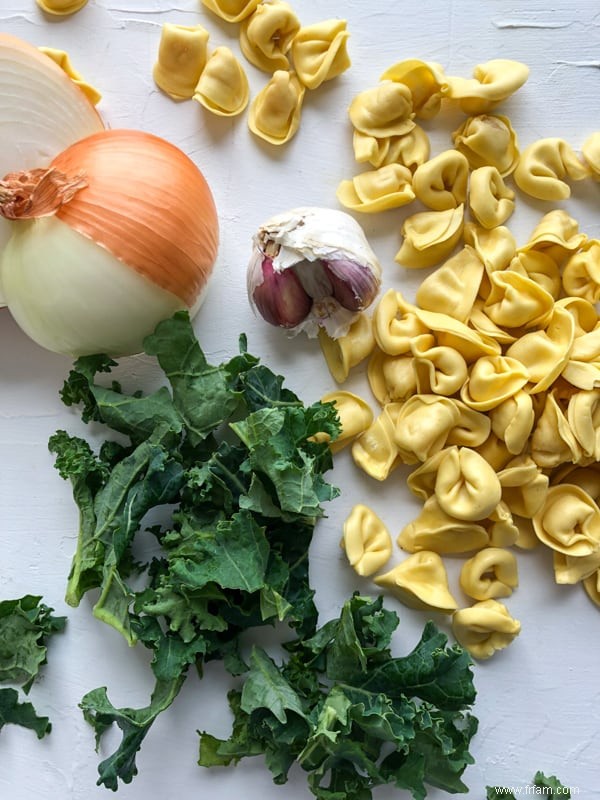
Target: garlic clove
[[280, 298]]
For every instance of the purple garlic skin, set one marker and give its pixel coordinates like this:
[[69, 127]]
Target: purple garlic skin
[[280, 298], [353, 286]]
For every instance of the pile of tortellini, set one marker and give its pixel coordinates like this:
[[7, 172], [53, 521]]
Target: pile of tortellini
[[488, 384], [471, 175], [271, 38]]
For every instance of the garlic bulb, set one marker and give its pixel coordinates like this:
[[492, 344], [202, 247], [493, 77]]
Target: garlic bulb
[[312, 268]]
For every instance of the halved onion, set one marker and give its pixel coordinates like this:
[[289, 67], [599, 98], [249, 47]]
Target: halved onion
[[115, 236], [41, 111]]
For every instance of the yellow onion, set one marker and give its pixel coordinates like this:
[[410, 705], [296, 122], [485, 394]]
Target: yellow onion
[[116, 234]]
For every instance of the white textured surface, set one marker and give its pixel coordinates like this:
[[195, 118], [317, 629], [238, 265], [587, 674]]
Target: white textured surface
[[539, 701]]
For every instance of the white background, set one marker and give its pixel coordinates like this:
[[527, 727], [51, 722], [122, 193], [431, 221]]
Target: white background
[[538, 701]]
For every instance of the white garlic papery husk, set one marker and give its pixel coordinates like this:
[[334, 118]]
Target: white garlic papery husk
[[312, 268]]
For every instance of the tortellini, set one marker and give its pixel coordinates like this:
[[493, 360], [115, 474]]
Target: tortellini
[[490, 200], [375, 451], [354, 413], [569, 521], [395, 324], [424, 81], [512, 421], [542, 167], [391, 378], [347, 351], [267, 35], [275, 111], [488, 140], [556, 234], [223, 86], [466, 486], [492, 83], [422, 426], [377, 190], [524, 486], [409, 149], [441, 182], [433, 529], [366, 540], [590, 151], [453, 287], [440, 370], [61, 58], [430, 236], [572, 569], [232, 10], [319, 52], [484, 628], [490, 573], [581, 273], [517, 301], [420, 581], [492, 380], [385, 110], [182, 55], [61, 7]]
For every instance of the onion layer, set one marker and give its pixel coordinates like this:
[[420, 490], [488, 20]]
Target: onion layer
[[41, 110], [119, 232]]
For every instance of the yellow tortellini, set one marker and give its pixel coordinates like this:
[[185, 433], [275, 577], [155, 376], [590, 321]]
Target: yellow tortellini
[[581, 273], [384, 110], [409, 149], [267, 35], [496, 247], [590, 151], [424, 81], [572, 569], [438, 370], [429, 237], [223, 86], [375, 451], [232, 10], [545, 353], [569, 521], [490, 573], [61, 7], [453, 287], [395, 324], [422, 426], [366, 540], [347, 351], [517, 301], [182, 55], [61, 58], [466, 486], [441, 182], [553, 442], [276, 110], [492, 380], [377, 190], [583, 416], [524, 486], [420, 581], [542, 167], [391, 378], [354, 413], [556, 234], [541, 268], [492, 83], [319, 52], [490, 199], [512, 421], [450, 332], [433, 529], [484, 628], [488, 140], [583, 366]]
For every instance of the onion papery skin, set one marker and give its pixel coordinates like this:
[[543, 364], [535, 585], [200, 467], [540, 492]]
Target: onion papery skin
[[42, 111], [148, 204], [50, 277]]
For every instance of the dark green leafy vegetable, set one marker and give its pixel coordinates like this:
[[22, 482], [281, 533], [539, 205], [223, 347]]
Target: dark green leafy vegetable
[[549, 787], [25, 626], [353, 716], [227, 455]]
